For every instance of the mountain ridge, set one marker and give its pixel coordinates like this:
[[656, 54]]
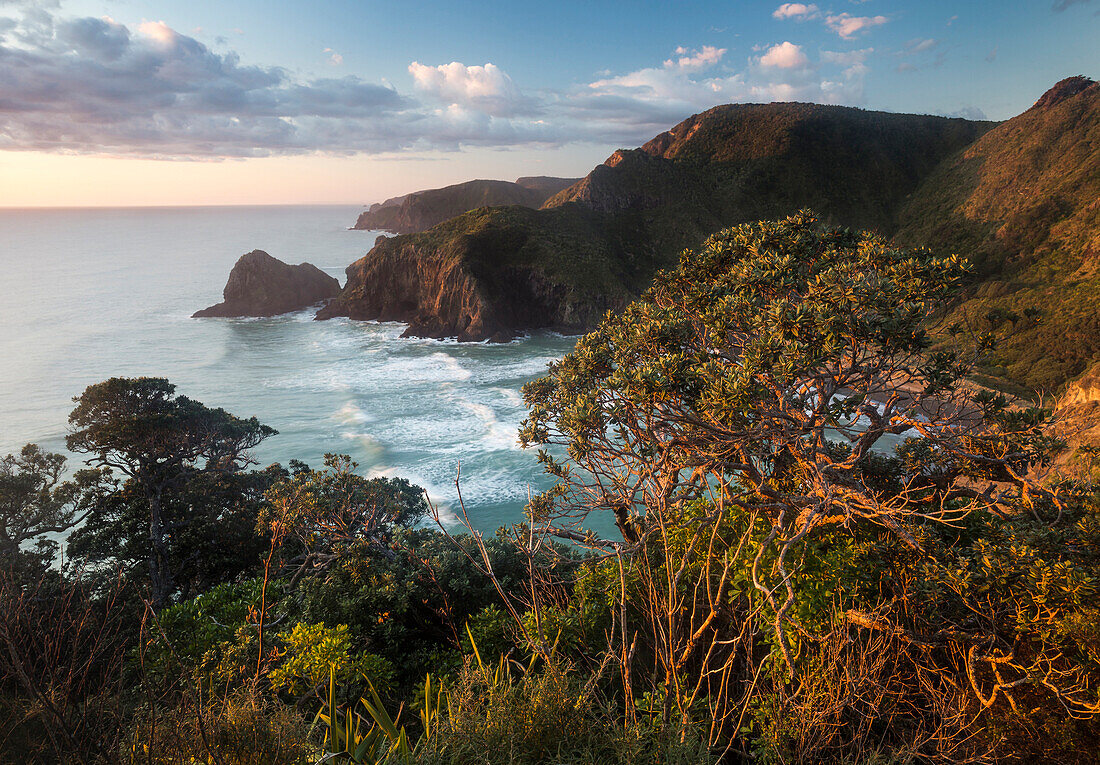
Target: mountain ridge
[[1018, 198], [421, 210]]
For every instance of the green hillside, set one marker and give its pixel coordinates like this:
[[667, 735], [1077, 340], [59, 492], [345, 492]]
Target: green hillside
[[598, 243], [1023, 203]]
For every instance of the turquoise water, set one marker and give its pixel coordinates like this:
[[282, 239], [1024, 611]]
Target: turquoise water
[[94, 293]]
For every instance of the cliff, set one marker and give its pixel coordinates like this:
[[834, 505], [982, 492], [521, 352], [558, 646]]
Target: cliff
[[423, 209], [595, 245], [491, 273], [260, 285], [1023, 203]]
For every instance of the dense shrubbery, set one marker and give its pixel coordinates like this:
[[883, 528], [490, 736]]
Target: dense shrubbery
[[831, 549]]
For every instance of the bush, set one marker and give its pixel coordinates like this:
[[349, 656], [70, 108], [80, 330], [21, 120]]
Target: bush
[[241, 729]]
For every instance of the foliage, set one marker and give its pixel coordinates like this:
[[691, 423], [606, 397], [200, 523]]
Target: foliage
[[159, 441], [314, 652], [505, 712], [61, 669], [732, 422], [374, 738], [212, 518], [35, 503], [239, 729], [411, 604], [317, 516]]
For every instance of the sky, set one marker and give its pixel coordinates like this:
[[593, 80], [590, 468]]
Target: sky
[[158, 102]]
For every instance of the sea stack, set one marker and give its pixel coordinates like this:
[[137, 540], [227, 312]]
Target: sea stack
[[260, 285]]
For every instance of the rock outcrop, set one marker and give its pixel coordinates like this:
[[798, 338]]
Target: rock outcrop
[[421, 210], [260, 285]]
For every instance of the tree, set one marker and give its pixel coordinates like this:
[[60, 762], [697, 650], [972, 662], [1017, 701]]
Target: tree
[[35, 503], [317, 515], [160, 442], [736, 422]]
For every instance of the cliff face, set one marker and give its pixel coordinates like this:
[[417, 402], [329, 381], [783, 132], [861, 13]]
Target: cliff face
[[421, 210], [490, 274], [1023, 203], [260, 285]]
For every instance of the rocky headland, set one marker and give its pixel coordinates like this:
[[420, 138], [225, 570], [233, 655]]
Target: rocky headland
[[495, 272], [260, 285], [422, 210], [490, 274]]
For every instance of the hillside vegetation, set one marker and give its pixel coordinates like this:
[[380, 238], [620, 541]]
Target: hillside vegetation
[[830, 548], [1023, 203]]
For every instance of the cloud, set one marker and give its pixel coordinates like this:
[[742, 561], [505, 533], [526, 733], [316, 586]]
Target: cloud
[[786, 55], [854, 61], [691, 61], [846, 58], [646, 101], [848, 26], [485, 88], [1061, 5], [95, 86], [334, 58], [796, 11], [916, 50]]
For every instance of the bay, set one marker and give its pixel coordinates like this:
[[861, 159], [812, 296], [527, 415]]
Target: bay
[[95, 293]]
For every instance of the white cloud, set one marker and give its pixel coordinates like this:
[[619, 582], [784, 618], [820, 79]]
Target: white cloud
[[796, 11], [691, 61], [334, 58], [786, 55], [848, 26], [480, 88], [854, 61], [644, 102], [158, 32], [967, 113]]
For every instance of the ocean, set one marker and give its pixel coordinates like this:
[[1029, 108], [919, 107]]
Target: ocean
[[95, 293]]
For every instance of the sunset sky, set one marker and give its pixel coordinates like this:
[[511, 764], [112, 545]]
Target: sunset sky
[[136, 102]]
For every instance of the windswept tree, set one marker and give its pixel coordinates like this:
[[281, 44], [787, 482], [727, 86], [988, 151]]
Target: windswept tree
[[165, 445], [738, 424]]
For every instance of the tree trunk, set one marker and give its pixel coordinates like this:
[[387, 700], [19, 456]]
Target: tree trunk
[[160, 573]]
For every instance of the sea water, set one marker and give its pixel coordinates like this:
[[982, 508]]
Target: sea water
[[89, 294]]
